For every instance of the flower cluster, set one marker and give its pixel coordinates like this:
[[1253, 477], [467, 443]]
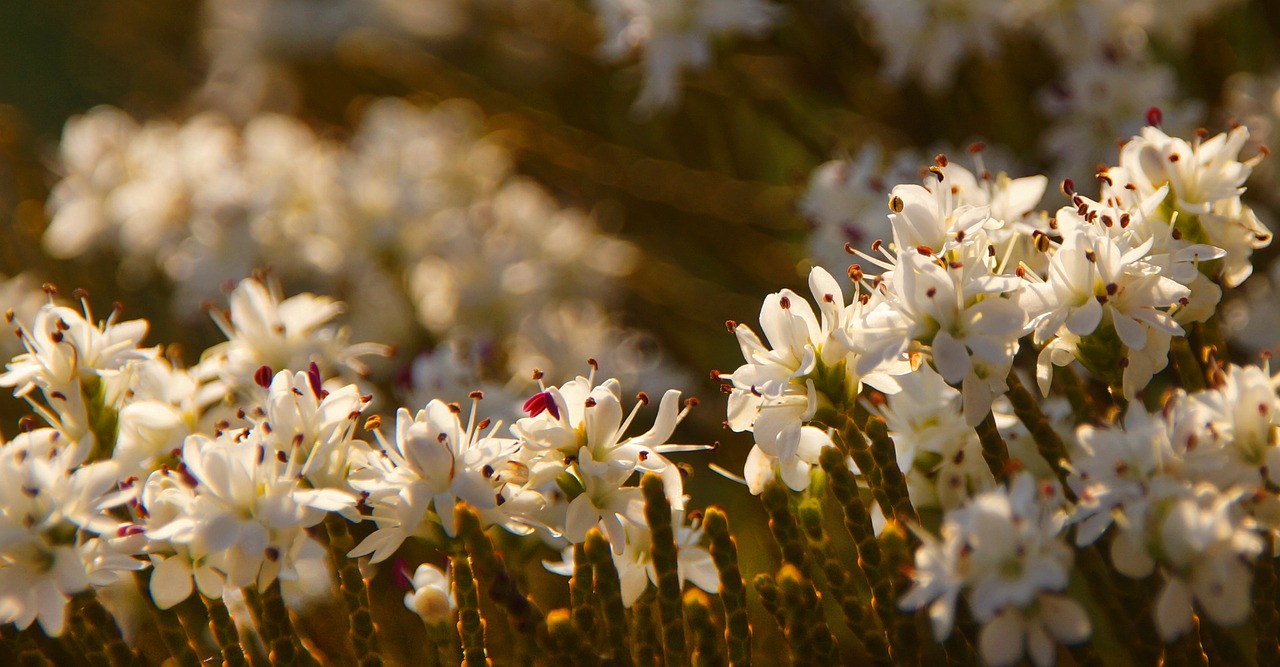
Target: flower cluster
[[972, 274], [1188, 491], [416, 222], [1004, 550], [972, 268], [215, 477], [1105, 49]]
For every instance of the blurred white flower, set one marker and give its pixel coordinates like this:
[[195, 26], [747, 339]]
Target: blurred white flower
[[675, 35]]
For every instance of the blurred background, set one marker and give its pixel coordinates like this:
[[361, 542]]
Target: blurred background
[[495, 186]]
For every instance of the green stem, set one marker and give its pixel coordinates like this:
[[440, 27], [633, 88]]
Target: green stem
[[525, 618], [857, 521], [897, 559], [89, 644], [355, 593], [1266, 620], [224, 630], [895, 483], [172, 633], [445, 643], [708, 650], [665, 563], [284, 647], [994, 450], [767, 591], [1048, 443], [22, 648], [609, 592], [565, 642], [470, 624], [857, 612], [104, 624], [1083, 409], [860, 451], [647, 650], [733, 591], [580, 597]]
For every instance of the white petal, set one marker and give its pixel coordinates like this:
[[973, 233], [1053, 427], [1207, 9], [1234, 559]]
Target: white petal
[[1083, 320], [170, 582], [1173, 610], [664, 425], [795, 474], [1065, 619], [1130, 556], [950, 356], [1001, 639], [581, 517], [759, 470], [1131, 332]]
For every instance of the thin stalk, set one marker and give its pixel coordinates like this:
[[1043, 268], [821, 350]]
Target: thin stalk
[[172, 633], [361, 629], [524, 617], [1048, 443], [733, 591], [470, 624], [708, 649], [994, 450], [665, 563], [284, 647], [608, 591], [895, 483], [225, 632], [857, 521]]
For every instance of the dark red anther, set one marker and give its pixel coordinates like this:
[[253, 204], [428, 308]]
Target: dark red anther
[[313, 379], [401, 575], [539, 402], [1155, 117], [262, 376], [129, 529]]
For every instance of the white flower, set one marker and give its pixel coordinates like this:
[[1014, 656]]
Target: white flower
[[1209, 547], [936, 580], [930, 40], [762, 468], [1114, 472], [1055, 619], [164, 405], [248, 513], [953, 304], [635, 565], [674, 35], [584, 420], [1229, 432], [935, 446], [777, 390], [64, 347], [1101, 292], [1198, 174], [1104, 98], [50, 511], [844, 201], [1004, 549], [432, 595], [433, 459], [265, 329], [300, 413]]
